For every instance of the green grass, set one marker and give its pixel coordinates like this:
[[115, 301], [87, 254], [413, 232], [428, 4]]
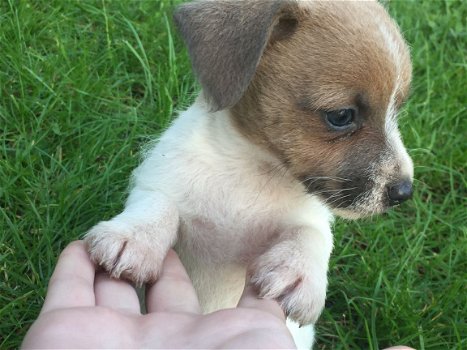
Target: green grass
[[84, 85]]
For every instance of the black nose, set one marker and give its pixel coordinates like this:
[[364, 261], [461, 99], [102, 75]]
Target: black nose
[[399, 192]]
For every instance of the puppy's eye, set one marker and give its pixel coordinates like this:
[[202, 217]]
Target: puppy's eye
[[340, 119]]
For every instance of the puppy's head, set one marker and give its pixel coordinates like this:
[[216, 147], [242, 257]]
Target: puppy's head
[[317, 83]]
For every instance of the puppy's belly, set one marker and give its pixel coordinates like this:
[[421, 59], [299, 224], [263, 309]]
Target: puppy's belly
[[216, 255], [218, 286]]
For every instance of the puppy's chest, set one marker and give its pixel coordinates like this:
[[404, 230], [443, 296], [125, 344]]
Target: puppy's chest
[[233, 217], [227, 240]]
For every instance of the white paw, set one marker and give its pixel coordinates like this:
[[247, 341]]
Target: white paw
[[122, 253], [299, 288]]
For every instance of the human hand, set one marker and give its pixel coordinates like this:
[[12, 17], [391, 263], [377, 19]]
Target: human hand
[[88, 310]]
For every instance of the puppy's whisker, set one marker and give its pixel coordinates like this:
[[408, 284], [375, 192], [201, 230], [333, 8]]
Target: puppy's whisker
[[334, 178], [327, 202], [335, 192]]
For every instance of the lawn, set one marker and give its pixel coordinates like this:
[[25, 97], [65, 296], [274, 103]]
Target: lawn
[[84, 85]]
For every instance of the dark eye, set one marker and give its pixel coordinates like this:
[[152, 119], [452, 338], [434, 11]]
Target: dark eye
[[340, 119]]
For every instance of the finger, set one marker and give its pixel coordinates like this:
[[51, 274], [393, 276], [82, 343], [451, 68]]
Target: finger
[[72, 283], [115, 294], [250, 299], [173, 291]]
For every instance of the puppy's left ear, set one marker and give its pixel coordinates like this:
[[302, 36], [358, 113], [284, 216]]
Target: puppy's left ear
[[226, 39]]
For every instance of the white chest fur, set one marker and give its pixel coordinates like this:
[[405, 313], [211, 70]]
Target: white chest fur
[[233, 198]]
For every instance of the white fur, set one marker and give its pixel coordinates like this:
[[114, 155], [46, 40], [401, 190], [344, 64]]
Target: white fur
[[303, 336], [236, 209], [399, 153], [391, 43], [401, 157]]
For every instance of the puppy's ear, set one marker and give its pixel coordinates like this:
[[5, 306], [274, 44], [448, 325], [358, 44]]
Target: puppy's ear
[[226, 39]]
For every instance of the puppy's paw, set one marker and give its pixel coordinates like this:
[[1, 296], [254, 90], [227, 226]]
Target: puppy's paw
[[299, 288], [122, 253]]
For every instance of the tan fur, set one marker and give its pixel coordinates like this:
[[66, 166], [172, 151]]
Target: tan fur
[[335, 57]]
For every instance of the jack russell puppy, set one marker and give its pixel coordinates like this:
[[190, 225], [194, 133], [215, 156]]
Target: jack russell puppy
[[296, 123]]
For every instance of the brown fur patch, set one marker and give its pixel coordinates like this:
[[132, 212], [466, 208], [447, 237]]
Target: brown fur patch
[[226, 40], [336, 58]]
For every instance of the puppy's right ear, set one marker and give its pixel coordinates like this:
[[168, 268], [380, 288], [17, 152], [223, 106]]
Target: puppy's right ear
[[226, 39]]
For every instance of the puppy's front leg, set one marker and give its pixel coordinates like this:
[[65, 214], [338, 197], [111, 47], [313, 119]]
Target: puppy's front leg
[[294, 272], [133, 244]]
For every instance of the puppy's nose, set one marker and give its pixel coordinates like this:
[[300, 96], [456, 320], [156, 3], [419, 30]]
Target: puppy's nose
[[399, 192]]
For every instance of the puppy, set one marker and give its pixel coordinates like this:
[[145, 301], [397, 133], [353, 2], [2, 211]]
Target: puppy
[[296, 123]]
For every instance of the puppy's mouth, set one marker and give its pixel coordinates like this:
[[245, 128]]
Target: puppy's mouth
[[358, 197]]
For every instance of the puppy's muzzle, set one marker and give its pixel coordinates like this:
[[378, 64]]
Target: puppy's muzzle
[[399, 192]]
